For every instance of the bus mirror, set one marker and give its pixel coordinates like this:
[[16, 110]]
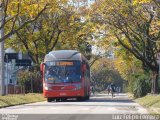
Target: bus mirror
[[41, 67]]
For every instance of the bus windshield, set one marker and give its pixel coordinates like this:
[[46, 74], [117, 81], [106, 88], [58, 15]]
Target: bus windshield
[[63, 71]]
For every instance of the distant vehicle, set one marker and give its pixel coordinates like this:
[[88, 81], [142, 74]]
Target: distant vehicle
[[66, 74]]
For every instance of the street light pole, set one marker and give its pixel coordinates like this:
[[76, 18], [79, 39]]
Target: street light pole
[[2, 91]]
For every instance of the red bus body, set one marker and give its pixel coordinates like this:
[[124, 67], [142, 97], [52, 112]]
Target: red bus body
[[74, 89]]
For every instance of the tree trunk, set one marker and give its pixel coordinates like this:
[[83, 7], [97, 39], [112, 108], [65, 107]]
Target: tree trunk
[[154, 89], [31, 84], [24, 89]]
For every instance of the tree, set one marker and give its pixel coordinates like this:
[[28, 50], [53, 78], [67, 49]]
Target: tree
[[41, 37], [22, 79], [12, 10], [136, 27], [59, 27], [103, 73]]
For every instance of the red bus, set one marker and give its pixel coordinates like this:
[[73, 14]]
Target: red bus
[[66, 74]]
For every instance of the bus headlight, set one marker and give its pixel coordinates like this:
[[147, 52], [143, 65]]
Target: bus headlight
[[47, 87]]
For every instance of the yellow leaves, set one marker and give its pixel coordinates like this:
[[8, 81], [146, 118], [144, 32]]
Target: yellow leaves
[[31, 8], [11, 6], [122, 67], [23, 8], [135, 2]]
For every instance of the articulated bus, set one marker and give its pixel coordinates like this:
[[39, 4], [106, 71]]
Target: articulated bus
[[66, 74]]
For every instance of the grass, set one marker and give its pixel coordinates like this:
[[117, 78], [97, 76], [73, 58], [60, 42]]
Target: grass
[[12, 100], [131, 96], [151, 102]]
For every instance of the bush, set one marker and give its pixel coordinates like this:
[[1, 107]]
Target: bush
[[30, 80], [141, 86]]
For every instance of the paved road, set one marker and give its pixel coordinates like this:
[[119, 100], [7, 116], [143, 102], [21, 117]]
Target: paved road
[[98, 104]]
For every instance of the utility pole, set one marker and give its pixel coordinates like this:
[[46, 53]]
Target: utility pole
[[2, 91]]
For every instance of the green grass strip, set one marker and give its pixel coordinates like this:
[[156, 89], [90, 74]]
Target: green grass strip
[[12, 100], [152, 102]]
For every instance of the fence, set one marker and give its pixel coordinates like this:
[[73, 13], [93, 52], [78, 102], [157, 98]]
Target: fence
[[12, 89]]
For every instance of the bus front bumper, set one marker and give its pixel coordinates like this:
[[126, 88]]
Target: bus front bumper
[[63, 93]]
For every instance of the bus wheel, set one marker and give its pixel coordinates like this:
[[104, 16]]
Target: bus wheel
[[63, 99], [87, 97], [80, 98], [58, 100], [49, 99]]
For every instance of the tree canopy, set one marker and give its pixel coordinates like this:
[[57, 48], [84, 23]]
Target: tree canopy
[[61, 26], [135, 25], [12, 10]]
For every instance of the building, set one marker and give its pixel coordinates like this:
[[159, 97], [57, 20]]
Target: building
[[14, 62]]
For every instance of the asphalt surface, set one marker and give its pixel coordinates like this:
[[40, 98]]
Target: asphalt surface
[[100, 106]]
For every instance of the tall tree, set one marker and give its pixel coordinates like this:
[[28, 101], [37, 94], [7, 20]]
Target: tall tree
[[59, 27], [41, 36], [136, 27], [12, 10]]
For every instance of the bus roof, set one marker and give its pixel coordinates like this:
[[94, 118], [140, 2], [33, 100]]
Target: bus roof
[[63, 55]]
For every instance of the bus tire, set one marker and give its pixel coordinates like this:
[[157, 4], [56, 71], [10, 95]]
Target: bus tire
[[87, 97], [49, 99], [58, 100], [80, 98], [63, 99]]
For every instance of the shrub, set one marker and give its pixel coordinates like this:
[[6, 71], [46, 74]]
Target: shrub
[[141, 85]]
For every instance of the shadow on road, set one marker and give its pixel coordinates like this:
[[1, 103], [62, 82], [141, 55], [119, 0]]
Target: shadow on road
[[92, 100], [96, 100], [110, 100]]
